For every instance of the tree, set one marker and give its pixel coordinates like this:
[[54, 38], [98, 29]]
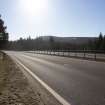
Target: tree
[[3, 34], [99, 42], [104, 43], [51, 40]]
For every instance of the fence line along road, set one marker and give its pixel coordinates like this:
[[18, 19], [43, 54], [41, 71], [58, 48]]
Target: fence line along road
[[93, 55]]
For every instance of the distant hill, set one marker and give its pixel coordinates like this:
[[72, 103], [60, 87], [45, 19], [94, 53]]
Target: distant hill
[[72, 40]]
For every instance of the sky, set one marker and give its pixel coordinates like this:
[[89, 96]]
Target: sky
[[65, 18]]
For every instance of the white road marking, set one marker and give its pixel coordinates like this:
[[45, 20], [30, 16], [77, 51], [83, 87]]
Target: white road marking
[[55, 94]]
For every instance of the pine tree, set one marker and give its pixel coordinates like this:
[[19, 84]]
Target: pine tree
[[3, 34], [99, 42], [104, 43]]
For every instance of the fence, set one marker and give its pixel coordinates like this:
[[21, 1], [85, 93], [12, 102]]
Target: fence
[[85, 54]]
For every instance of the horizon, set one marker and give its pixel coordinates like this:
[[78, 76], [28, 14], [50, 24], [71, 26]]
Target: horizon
[[36, 18], [56, 37]]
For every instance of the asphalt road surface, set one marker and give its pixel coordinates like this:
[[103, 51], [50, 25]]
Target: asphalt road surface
[[80, 82]]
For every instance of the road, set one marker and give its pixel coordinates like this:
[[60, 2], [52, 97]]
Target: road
[[80, 82]]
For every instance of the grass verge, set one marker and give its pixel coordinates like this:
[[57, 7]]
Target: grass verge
[[14, 88]]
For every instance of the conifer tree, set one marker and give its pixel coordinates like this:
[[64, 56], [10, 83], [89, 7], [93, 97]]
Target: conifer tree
[[3, 34]]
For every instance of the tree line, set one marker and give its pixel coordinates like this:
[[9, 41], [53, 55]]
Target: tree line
[[100, 42], [38, 43], [3, 35]]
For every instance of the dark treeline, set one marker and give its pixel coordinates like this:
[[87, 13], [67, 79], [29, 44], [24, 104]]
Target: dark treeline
[[98, 44], [3, 35], [40, 43], [51, 44]]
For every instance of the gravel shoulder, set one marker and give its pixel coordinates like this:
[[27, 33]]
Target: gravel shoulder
[[17, 87], [14, 86]]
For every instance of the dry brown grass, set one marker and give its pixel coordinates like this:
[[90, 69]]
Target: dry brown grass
[[14, 88]]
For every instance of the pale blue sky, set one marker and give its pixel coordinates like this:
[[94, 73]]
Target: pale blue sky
[[53, 17]]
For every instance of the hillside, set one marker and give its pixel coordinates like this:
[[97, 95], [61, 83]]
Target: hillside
[[72, 40]]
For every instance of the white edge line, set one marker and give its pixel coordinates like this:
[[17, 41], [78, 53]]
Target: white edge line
[[56, 95]]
